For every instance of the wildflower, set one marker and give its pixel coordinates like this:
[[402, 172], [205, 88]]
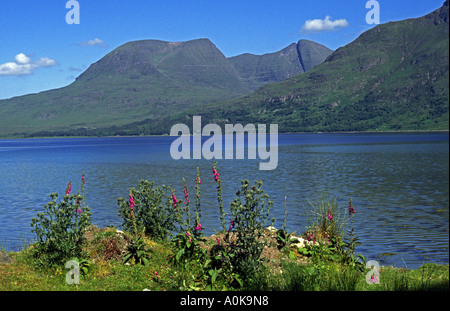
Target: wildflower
[[218, 241], [132, 204], [329, 216], [351, 209], [216, 174], [186, 196], [174, 199], [187, 234], [69, 187], [199, 227]]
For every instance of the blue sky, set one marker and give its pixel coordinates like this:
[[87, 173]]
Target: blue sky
[[40, 51]]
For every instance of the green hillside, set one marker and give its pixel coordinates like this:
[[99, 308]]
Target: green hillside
[[139, 80], [393, 77]]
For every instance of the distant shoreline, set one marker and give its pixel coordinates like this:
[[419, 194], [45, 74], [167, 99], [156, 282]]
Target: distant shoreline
[[283, 133]]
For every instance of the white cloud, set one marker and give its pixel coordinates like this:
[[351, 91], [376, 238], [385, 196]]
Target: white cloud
[[23, 65], [93, 42], [45, 62], [318, 25], [22, 59]]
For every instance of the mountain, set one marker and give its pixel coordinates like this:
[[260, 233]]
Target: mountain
[[394, 76], [259, 70], [147, 79]]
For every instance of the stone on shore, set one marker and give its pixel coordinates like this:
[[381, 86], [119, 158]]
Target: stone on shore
[[5, 258]]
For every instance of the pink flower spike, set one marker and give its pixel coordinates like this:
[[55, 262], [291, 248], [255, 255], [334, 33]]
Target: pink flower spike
[[69, 187]]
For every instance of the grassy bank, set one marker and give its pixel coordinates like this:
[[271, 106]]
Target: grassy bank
[[285, 269]]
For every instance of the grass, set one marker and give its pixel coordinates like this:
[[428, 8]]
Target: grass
[[283, 270]]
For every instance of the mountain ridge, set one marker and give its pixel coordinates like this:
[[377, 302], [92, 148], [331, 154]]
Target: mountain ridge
[[137, 80], [393, 77]]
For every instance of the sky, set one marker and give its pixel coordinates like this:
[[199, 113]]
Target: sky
[[41, 50]]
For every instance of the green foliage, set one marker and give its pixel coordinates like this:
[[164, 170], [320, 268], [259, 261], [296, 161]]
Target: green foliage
[[186, 249], [221, 265], [249, 212], [283, 238], [60, 228], [136, 251], [83, 264], [153, 212], [189, 262], [186, 244]]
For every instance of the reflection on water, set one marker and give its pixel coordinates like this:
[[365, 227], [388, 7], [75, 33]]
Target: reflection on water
[[399, 184]]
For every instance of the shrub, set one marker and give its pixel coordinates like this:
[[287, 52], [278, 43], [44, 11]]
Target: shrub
[[249, 213], [60, 227], [326, 223], [151, 211]]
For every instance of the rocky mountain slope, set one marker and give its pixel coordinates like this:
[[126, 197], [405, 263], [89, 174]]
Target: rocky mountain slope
[[151, 79]]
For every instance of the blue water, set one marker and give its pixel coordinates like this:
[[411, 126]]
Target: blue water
[[399, 184]]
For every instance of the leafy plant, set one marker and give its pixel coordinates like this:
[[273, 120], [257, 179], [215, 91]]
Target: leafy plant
[[221, 262], [250, 214], [283, 237], [83, 264], [357, 261], [187, 248], [152, 210], [136, 251], [60, 227]]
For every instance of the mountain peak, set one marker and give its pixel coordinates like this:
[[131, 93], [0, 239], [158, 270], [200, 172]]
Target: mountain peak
[[275, 67], [148, 79]]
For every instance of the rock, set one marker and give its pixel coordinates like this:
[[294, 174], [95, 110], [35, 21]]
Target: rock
[[5, 258], [272, 228], [299, 242]]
